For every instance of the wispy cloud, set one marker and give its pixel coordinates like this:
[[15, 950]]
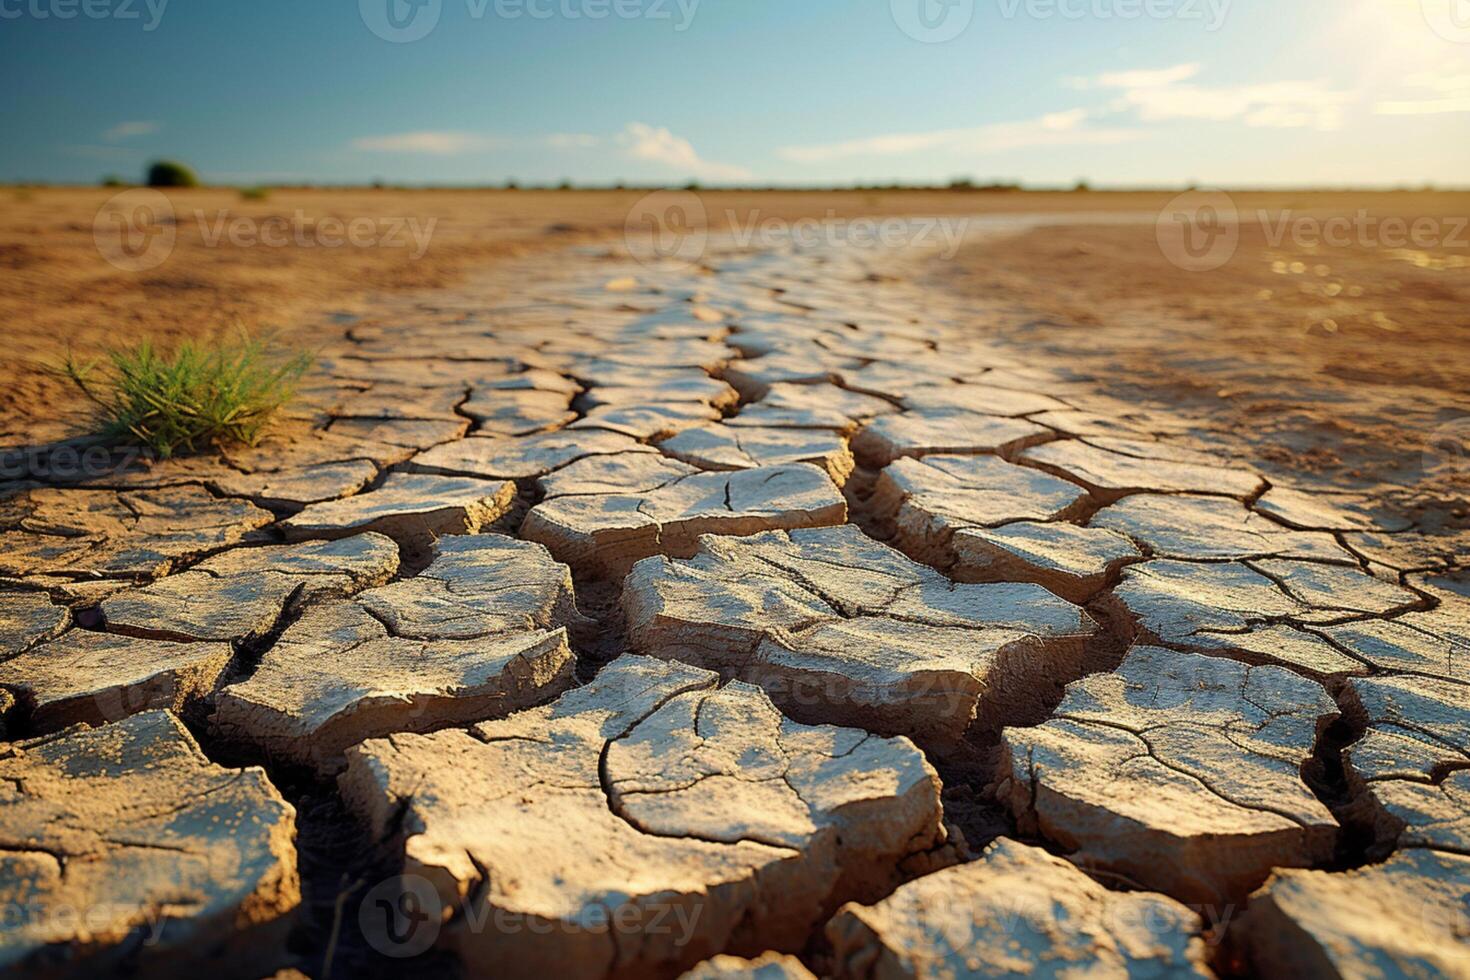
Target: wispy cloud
[[1053, 129], [130, 130], [1137, 78], [1433, 94], [655, 144], [454, 142], [636, 141], [1423, 107], [1168, 94], [433, 142]]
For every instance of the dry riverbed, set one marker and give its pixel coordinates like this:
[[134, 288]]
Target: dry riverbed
[[811, 606]]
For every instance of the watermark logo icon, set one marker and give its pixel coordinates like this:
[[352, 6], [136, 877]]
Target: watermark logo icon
[[932, 21], [401, 21], [1450, 19], [1448, 451], [401, 917], [1199, 230], [135, 230], [667, 226]]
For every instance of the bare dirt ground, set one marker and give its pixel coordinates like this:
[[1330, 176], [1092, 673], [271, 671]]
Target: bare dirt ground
[[1035, 605], [58, 290], [1350, 364]]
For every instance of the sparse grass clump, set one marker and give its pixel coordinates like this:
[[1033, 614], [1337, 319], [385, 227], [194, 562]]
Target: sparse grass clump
[[197, 397], [254, 193]]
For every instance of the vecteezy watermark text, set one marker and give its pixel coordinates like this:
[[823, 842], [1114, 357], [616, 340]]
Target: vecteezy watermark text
[[299, 231], [138, 229], [1199, 231], [404, 21], [1364, 230], [754, 231], [675, 226], [403, 916], [148, 12], [1210, 13], [66, 462], [937, 21]]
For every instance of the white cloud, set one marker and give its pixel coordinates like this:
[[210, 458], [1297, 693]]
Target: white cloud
[[655, 144], [438, 143], [1161, 95], [453, 142], [1054, 129], [636, 141], [129, 130], [1423, 107], [1137, 78], [1438, 94]]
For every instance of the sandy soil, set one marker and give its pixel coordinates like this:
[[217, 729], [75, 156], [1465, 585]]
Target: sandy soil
[[58, 289], [1349, 364]]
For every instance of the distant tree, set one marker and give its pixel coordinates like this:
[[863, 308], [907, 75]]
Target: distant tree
[[565, 185], [962, 184], [170, 173], [112, 180], [512, 185], [693, 185]]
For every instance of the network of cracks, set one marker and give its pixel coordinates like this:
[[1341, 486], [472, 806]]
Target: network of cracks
[[757, 619]]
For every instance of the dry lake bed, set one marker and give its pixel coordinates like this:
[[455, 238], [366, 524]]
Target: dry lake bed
[[996, 593]]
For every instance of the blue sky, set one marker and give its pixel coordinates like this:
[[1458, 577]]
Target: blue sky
[[1122, 92]]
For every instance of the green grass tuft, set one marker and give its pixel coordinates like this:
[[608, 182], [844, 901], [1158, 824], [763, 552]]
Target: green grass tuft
[[254, 193], [195, 398]]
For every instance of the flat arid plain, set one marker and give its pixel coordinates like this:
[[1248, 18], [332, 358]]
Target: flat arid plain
[[851, 584]]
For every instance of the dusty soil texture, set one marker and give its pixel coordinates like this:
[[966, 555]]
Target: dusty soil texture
[[792, 608], [1332, 346], [58, 288]]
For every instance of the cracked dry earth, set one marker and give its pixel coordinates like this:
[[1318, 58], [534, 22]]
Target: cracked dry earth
[[766, 619]]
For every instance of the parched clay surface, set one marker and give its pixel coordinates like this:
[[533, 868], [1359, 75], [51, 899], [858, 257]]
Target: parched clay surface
[[243, 593], [1018, 911], [840, 495], [840, 629], [142, 533], [478, 634], [590, 522], [933, 500], [1420, 814], [522, 459], [1246, 607], [181, 867], [942, 432], [92, 678], [1076, 563], [407, 507], [728, 447], [1211, 529], [658, 798], [28, 618], [1182, 773], [767, 966], [1112, 475], [1404, 918]]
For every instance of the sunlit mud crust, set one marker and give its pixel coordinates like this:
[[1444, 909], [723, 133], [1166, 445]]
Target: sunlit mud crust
[[611, 616]]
